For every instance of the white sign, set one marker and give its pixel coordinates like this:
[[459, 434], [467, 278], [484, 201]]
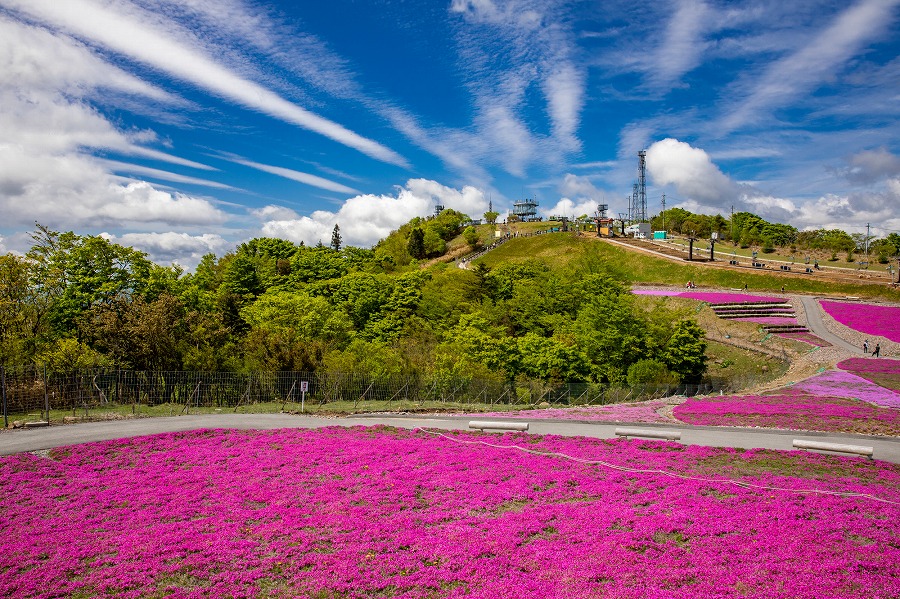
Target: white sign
[[304, 386]]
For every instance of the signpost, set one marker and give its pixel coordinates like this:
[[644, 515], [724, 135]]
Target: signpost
[[304, 387]]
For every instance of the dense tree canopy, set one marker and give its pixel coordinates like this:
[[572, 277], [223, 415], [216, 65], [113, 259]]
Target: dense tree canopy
[[78, 302]]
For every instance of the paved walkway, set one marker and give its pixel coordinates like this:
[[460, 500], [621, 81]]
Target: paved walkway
[[817, 326], [886, 448]]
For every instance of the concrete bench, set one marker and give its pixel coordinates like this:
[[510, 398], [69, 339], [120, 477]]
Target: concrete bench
[[502, 426], [835, 447], [650, 433]]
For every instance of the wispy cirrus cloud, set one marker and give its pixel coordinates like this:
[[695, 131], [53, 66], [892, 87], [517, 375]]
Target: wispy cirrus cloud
[[293, 175], [508, 46], [682, 46], [116, 166], [816, 62], [143, 41]]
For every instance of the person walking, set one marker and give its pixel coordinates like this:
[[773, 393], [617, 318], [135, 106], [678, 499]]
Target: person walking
[[877, 350], [866, 346]]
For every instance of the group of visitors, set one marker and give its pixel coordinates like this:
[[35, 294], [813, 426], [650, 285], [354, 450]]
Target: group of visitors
[[690, 285], [875, 353]]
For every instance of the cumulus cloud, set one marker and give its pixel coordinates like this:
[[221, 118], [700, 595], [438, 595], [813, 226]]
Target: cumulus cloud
[[707, 190], [579, 196], [171, 247], [76, 190], [690, 170], [365, 219], [872, 166]]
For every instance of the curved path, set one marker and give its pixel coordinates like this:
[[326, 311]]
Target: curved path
[[11, 442], [817, 326]]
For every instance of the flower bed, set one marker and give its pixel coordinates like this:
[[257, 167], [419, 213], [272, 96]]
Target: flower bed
[[881, 371], [806, 338], [639, 411], [712, 297], [883, 321], [380, 512], [791, 409], [835, 383]]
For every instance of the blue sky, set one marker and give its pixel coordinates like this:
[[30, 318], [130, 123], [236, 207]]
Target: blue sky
[[187, 126]]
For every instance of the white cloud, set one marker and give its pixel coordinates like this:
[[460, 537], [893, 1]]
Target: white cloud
[[365, 219], [689, 169], [567, 207], [75, 190], [155, 173], [579, 187], [870, 166], [140, 37], [272, 212], [682, 44], [814, 63], [293, 175], [171, 247]]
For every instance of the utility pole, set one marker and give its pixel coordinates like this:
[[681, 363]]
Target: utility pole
[[867, 245], [733, 240], [664, 211]]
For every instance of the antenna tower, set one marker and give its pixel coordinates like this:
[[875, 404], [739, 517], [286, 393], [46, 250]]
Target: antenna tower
[[641, 200]]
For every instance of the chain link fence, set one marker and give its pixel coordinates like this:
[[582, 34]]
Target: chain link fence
[[32, 393]]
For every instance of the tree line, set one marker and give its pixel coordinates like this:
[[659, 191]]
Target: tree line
[[748, 229], [75, 302]]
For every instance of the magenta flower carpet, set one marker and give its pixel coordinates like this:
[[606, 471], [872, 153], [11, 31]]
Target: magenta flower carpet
[[712, 297], [806, 338], [379, 512], [873, 320], [794, 409], [835, 383], [881, 371], [641, 411]]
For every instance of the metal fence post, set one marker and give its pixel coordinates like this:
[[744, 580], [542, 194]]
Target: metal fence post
[[46, 397], [3, 384]]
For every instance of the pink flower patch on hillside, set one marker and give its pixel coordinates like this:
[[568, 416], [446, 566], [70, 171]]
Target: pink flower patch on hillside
[[713, 297], [881, 371], [795, 410], [639, 411], [866, 318], [806, 338], [836, 383], [381, 512], [728, 298]]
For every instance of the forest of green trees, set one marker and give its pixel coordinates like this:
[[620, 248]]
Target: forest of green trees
[[76, 302]]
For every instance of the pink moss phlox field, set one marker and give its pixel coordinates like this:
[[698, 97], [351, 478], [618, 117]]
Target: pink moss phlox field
[[883, 321], [881, 371], [806, 338], [791, 408], [712, 297], [389, 513], [836, 383], [640, 411]]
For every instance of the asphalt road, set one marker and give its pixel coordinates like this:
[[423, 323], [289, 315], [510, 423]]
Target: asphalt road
[[16, 441], [817, 326]]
